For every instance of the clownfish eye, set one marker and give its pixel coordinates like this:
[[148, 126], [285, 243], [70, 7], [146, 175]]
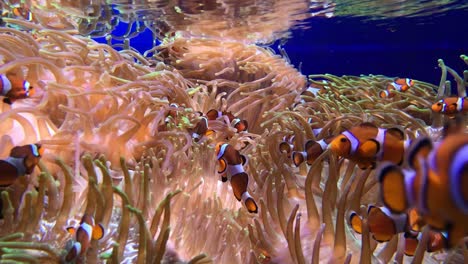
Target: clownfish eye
[[343, 139]]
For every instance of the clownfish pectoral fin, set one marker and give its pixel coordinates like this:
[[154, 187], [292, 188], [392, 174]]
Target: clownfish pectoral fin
[[420, 148], [98, 232], [7, 100], [392, 187], [222, 165], [397, 132], [356, 222], [71, 230], [369, 149], [298, 158]]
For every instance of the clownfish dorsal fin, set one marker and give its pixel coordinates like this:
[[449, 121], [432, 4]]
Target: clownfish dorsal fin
[[212, 114], [356, 222], [369, 149], [368, 125], [244, 159], [309, 144], [420, 148], [397, 132], [392, 187], [98, 232], [71, 230]]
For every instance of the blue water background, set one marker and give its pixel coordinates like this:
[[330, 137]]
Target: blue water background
[[396, 47]]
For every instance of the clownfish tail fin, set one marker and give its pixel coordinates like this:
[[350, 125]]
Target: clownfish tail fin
[[392, 187], [356, 222], [411, 243], [249, 202], [298, 158], [98, 232]]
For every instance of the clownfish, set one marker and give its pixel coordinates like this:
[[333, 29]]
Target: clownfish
[[287, 144], [22, 161], [13, 88], [383, 225], [231, 167], [436, 185], [23, 12], [240, 124], [200, 129], [451, 106], [399, 84], [87, 230], [313, 149], [366, 144]]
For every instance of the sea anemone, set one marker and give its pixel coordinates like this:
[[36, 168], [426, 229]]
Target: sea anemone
[[97, 113]]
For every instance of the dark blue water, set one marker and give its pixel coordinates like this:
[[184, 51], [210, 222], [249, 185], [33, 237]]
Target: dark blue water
[[403, 47]]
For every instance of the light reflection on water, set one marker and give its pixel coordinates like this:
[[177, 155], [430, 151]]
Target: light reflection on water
[[250, 21]]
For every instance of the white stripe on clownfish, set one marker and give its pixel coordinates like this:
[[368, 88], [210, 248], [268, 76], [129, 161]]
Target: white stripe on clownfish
[[353, 140], [459, 162], [380, 138], [234, 170], [221, 151], [6, 84]]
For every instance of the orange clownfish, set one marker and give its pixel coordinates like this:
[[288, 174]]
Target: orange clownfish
[[383, 225], [171, 117], [231, 166], [240, 124], [366, 144], [23, 12], [399, 84], [22, 161], [436, 186], [313, 149], [14, 88], [200, 129], [451, 106], [287, 144], [86, 231]]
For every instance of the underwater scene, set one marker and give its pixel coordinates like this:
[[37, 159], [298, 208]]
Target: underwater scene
[[234, 131]]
